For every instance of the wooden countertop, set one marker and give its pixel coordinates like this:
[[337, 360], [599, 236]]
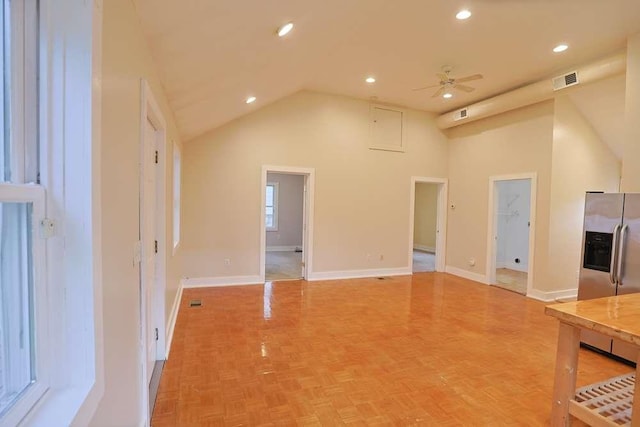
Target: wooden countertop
[[618, 317]]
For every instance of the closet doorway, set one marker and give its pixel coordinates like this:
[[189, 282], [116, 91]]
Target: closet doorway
[[511, 235]]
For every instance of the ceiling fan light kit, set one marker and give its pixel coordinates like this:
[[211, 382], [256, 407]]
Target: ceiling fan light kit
[[448, 83]]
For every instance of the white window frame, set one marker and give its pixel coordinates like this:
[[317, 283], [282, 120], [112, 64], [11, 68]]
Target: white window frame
[[34, 194], [24, 158], [177, 194], [69, 129], [275, 186]]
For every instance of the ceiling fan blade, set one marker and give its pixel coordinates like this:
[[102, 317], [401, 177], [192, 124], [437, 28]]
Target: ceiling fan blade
[[443, 76], [469, 78], [464, 88], [438, 92], [426, 87]]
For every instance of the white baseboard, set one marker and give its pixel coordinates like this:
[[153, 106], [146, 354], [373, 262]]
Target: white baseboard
[[358, 274], [210, 282], [552, 295], [476, 277], [425, 248], [282, 248], [173, 317]]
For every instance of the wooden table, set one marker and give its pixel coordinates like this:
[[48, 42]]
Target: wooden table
[[612, 402]]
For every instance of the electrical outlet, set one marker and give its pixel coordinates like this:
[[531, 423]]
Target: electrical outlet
[[227, 262], [472, 262], [368, 257]]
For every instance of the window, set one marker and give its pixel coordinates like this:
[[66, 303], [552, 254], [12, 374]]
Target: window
[[271, 206], [23, 334], [177, 170], [22, 301]]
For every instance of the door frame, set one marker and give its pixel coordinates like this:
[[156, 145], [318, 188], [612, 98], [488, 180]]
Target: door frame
[[492, 226], [307, 212], [150, 111], [441, 227]]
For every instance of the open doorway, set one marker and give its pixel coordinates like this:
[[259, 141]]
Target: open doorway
[[286, 225], [428, 223], [284, 210], [425, 226], [512, 211]]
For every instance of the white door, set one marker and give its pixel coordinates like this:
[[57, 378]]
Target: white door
[[304, 228], [148, 221]]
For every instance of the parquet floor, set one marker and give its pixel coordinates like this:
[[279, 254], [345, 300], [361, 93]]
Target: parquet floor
[[428, 349]]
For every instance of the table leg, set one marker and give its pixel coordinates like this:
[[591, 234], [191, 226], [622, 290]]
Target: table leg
[[635, 411], [564, 387]]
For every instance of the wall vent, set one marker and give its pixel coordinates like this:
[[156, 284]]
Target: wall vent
[[569, 79], [460, 114]]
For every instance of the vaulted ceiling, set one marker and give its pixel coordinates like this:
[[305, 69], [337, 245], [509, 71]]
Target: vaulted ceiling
[[213, 54]]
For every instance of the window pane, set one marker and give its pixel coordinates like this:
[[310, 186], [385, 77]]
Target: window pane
[[16, 302], [5, 148], [269, 220], [269, 201], [269, 210]]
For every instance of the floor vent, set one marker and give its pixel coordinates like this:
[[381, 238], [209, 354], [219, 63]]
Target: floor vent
[[195, 303]]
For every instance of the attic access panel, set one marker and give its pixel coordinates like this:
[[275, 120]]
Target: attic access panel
[[388, 128]]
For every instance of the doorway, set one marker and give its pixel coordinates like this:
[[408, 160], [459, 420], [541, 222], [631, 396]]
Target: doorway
[[287, 208], [511, 238], [427, 224], [151, 250], [284, 212]]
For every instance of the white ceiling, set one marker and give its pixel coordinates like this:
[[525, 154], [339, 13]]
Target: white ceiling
[[212, 54]]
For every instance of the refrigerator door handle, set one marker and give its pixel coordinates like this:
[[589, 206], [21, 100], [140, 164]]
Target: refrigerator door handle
[[614, 255], [620, 255]]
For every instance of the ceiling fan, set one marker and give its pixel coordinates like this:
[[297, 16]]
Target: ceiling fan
[[447, 83]]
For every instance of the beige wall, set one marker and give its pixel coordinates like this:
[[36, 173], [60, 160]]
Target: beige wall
[[581, 162], [630, 169], [515, 142], [425, 216], [290, 210], [126, 60], [361, 195]]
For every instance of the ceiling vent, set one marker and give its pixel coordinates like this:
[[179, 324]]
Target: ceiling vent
[[460, 114], [569, 79]]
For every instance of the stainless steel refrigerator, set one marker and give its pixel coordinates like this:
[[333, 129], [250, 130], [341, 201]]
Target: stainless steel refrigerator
[[610, 257]]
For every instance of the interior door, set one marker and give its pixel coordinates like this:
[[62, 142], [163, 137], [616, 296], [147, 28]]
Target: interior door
[[304, 226], [148, 220]]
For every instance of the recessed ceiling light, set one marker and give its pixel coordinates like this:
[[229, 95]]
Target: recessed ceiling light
[[284, 30], [560, 48], [370, 80], [463, 14], [250, 100], [447, 95]]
